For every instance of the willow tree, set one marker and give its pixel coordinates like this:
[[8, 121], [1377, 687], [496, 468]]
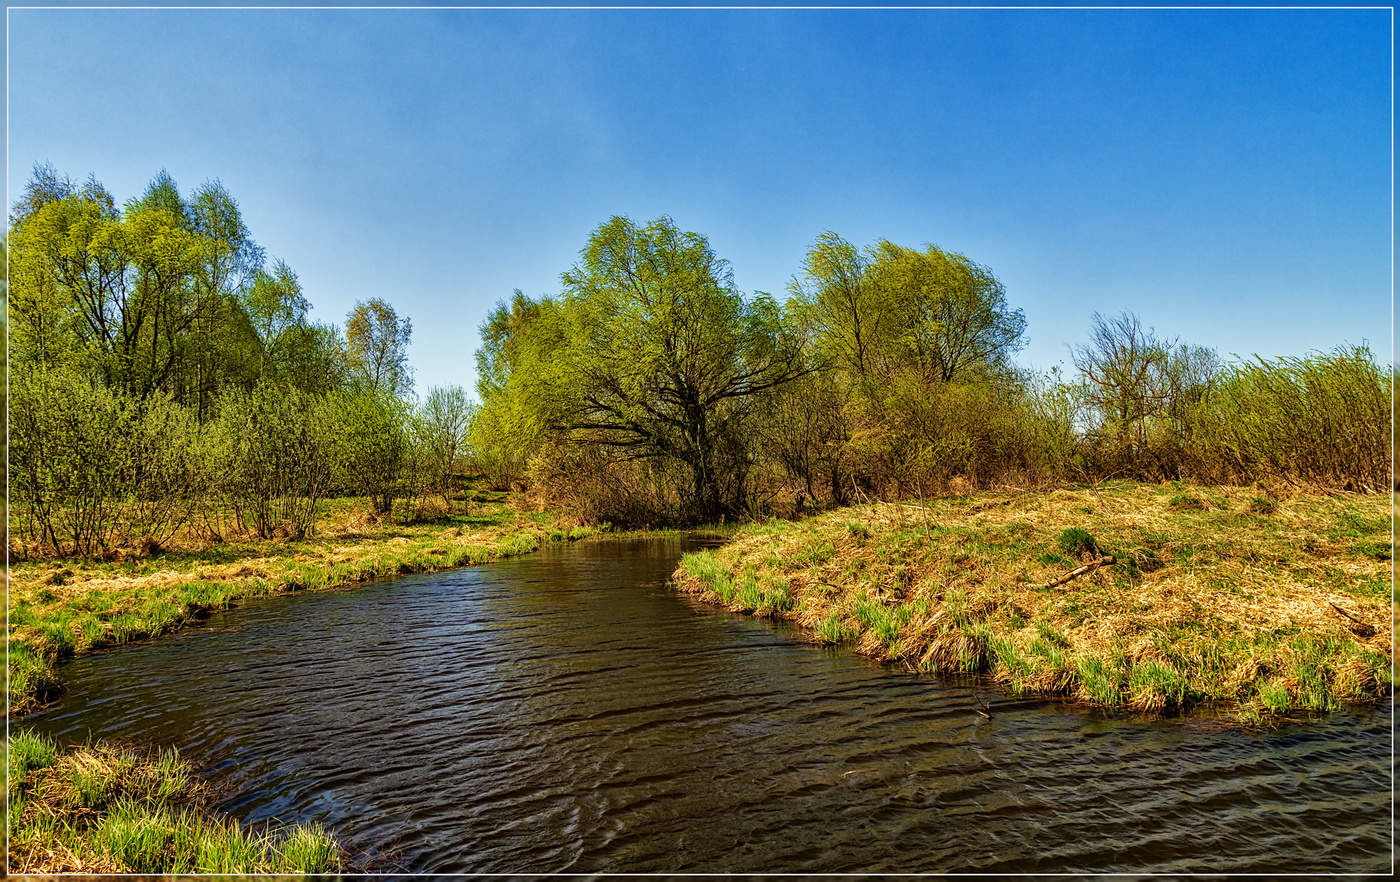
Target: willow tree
[[663, 355]]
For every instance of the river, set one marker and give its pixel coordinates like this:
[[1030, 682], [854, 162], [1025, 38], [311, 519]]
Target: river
[[565, 711]]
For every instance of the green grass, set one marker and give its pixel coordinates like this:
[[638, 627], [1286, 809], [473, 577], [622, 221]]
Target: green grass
[[834, 630], [1204, 604], [105, 809]]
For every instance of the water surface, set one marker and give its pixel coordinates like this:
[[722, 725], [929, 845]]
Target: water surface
[[565, 711]]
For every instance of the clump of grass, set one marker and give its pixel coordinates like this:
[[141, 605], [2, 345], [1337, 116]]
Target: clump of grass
[[1099, 682], [1156, 686], [105, 809], [1076, 541], [1188, 502], [1274, 696], [833, 629], [1263, 505], [882, 620]]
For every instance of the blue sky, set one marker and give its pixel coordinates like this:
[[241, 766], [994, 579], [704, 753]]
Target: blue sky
[[1224, 174]]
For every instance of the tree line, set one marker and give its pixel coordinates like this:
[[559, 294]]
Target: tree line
[[651, 389], [165, 375]]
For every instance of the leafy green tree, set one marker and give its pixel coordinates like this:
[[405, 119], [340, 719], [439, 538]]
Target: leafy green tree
[[45, 185], [378, 346], [520, 387], [313, 358], [281, 450], [221, 350], [945, 315], [840, 304], [275, 306], [124, 295], [375, 443], [664, 356], [444, 420]]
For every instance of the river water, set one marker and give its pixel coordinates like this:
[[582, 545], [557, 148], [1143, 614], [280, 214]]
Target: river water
[[566, 711]]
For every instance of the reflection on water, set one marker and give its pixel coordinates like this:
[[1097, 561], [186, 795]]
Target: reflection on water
[[565, 711]]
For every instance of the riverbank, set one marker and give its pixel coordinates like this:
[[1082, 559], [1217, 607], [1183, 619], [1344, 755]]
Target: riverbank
[[62, 608], [1150, 597], [105, 809]]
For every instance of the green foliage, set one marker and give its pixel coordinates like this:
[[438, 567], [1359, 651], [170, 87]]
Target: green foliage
[[1076, 540], [1156, 685], [651, 354], [1322, 417], [1098, 682], [29, 750], [377, 452], [442, 426], [167, 377], [833, 629], [92, 468], [280, 451], [163, 371], [377, 341]]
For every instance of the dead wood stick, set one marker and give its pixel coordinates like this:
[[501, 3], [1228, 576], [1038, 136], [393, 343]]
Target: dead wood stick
[[1366, 629], [1080, 571]]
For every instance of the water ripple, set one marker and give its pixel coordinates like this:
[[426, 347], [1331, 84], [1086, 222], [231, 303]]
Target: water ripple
[[567, 712]]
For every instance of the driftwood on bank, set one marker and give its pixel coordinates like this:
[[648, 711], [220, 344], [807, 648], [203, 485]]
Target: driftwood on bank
[[1082, 571]]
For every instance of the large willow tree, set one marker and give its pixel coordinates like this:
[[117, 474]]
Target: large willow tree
[[650, 352]]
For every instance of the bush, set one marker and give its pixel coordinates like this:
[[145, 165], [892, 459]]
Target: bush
[[279, 448], [93, 468], [1075, 541], [377, 450]]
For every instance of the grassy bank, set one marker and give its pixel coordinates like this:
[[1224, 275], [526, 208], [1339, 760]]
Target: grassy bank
[[103, 809], [62, 608], [1267, 599]]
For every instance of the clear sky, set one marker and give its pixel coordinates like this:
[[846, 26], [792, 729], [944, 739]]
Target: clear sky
[[1224, 174]]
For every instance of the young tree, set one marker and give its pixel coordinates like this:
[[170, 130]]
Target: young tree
[[222, 352], [45, 185], [375, 444], [275, 305], [445, 419], [1123, 365], [378, 346], [840, 302]]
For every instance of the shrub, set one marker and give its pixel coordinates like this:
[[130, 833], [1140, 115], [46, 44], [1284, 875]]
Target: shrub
[[1322, 417], [1075, 541], [92, 468], [278, 448]]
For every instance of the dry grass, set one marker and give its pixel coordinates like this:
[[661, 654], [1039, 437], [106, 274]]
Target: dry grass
[[1215, 595]]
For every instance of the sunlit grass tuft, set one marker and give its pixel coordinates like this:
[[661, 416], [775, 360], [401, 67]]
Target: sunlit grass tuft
[[103, 809]]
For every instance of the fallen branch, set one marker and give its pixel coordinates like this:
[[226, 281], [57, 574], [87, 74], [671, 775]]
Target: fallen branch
[[1360, 629], [1081, 571], [907, 505]]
